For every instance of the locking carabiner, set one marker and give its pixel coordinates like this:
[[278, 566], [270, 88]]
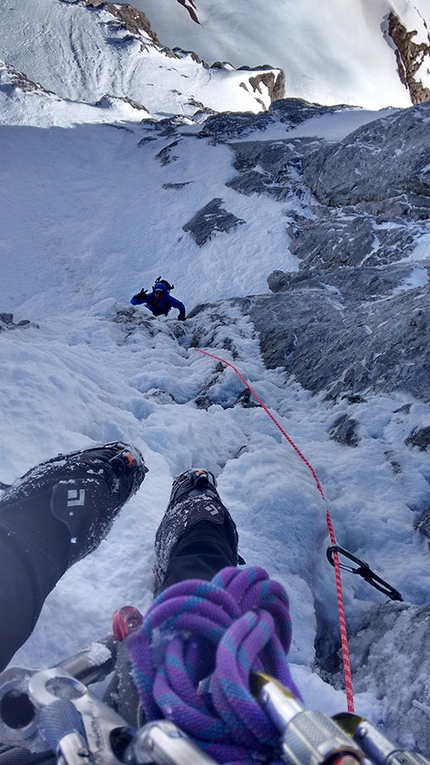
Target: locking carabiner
[[364, 571]]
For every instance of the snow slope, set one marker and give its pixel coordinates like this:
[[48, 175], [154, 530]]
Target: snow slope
[[331, 52], [86, 56]]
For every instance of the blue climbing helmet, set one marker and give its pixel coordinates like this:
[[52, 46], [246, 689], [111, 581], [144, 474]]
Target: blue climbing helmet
[[162, 284]]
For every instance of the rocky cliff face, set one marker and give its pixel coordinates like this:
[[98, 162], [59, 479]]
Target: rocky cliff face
[[411, 57], [130, 16], [351, 322], [355, 316]]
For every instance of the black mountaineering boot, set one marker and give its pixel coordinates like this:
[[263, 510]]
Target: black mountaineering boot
[[195, 483], [52, 517], [84, 490], [194, 524]]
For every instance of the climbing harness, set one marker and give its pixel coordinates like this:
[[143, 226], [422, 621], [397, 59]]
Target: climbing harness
[[363, 570], [341, 609]]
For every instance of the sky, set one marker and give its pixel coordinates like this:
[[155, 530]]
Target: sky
[[91, 215]]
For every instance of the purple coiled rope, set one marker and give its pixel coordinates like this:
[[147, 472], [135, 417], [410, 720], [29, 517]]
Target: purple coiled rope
[[194, 653]]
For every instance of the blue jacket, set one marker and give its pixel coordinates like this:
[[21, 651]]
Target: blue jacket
[[162, 307]]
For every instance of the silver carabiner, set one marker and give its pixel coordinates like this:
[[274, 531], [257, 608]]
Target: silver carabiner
[[163, 743], [28, 708]]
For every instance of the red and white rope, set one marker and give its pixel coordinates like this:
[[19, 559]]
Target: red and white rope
[[340, 603]]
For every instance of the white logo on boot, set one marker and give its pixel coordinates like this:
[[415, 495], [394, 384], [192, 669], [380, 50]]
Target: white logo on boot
[[74, 498], [212, 509]]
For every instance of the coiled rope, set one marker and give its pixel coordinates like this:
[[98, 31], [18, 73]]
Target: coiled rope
[[340, 604], [192, 659]]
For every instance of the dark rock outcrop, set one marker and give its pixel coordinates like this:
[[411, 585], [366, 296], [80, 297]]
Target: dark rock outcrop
[[275, 84], [344, 431], [289, 111], [210, 219], [354, 318], [349, 172], [131, 17], [190, 6], [331, 337], [420, 438], [423, 524], [7, 322], [19, 80]]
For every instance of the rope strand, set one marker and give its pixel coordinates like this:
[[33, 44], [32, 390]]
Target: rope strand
[[341, 609], [235, 624]]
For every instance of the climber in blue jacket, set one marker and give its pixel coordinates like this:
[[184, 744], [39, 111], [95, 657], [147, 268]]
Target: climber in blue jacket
[[159, 301]]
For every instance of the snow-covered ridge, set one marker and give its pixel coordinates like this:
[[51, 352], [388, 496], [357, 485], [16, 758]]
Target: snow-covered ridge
[[331, 52], [24, 102], [83, 54]]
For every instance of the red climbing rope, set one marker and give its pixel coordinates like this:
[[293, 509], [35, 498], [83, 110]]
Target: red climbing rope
[[340, 604]]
